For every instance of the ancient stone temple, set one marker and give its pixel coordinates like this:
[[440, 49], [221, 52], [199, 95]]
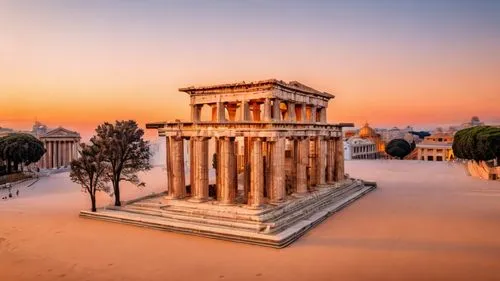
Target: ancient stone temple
[[61, 147], [292, 174]]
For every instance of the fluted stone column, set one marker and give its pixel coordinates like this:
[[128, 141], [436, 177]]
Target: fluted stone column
[[322, 115], [303, 113], [218, 186], [58, 153], [313, 162], [278, 191], [196, 112], [227, 174], [321, 160], [302, 163], [293, 173], [330, 164], [246, 159], [339, 159], [199, 169], [66, 153], [191, 166], [55, 152], [218, 114], [168, 166], [266, 154], [291, 112], [178, 189], [313, 114], [256, 197], [276, 110], [267, 110], [49, 155], [245, 111], [61, 153], [70, 153]]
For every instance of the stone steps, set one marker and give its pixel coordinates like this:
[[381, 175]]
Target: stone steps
[[281, 226], [243, 223], [274, 221]]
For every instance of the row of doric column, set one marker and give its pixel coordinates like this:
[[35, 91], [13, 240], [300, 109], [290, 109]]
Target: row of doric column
[[58, 153], [250, 110], [317, 161]]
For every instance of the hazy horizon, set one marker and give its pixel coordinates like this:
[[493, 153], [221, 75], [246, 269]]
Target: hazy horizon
[[390, 63]]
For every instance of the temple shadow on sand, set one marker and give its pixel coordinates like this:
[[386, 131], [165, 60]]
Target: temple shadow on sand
[[279, 166]]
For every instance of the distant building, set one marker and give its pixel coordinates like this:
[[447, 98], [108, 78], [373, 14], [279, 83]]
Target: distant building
[[474, 121], [368, 133], [396, 133], [436, 147], [358, 148], [39, 129], [61, 147]]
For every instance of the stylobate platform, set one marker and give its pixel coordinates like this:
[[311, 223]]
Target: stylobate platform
[[274, 225]]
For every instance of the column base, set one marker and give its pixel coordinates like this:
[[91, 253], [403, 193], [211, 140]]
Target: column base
[[171, 197], [197, 200], [277, 202], [220, 203], [254, 207], [299, 195]]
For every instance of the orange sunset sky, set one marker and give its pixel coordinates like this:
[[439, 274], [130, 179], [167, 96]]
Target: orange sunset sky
[[391, 63]]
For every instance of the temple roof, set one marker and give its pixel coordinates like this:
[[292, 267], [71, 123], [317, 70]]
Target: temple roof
[[247, 86], [60, 132]]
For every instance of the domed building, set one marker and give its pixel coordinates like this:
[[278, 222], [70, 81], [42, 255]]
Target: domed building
[[368, 133]]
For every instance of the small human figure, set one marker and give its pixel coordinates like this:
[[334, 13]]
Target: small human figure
[[17, 192]]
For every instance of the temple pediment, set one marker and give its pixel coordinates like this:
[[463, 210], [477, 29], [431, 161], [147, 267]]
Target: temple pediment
[[60, 132]]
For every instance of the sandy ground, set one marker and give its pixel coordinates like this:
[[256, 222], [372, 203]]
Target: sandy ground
[[426, 221]]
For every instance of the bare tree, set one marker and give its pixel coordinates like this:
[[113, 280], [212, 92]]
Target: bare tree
[[125, 150], [90, 171]]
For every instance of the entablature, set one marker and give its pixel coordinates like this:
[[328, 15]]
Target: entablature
[[248, 129]]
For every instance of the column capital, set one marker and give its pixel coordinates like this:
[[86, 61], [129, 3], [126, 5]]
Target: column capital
[[230, 138], [200, 138]]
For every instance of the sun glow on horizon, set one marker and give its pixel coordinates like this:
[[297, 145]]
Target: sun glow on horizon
[[392, 64]]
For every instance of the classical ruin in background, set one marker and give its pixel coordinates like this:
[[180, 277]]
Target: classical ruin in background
[[61, 147], [291, 167]]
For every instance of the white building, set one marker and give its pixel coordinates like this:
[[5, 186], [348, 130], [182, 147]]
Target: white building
[[358, 148]]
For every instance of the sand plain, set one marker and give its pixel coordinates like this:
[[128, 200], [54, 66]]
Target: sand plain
[[426, 221]]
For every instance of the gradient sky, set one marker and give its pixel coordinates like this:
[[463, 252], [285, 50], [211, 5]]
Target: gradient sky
[[391, 63]]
